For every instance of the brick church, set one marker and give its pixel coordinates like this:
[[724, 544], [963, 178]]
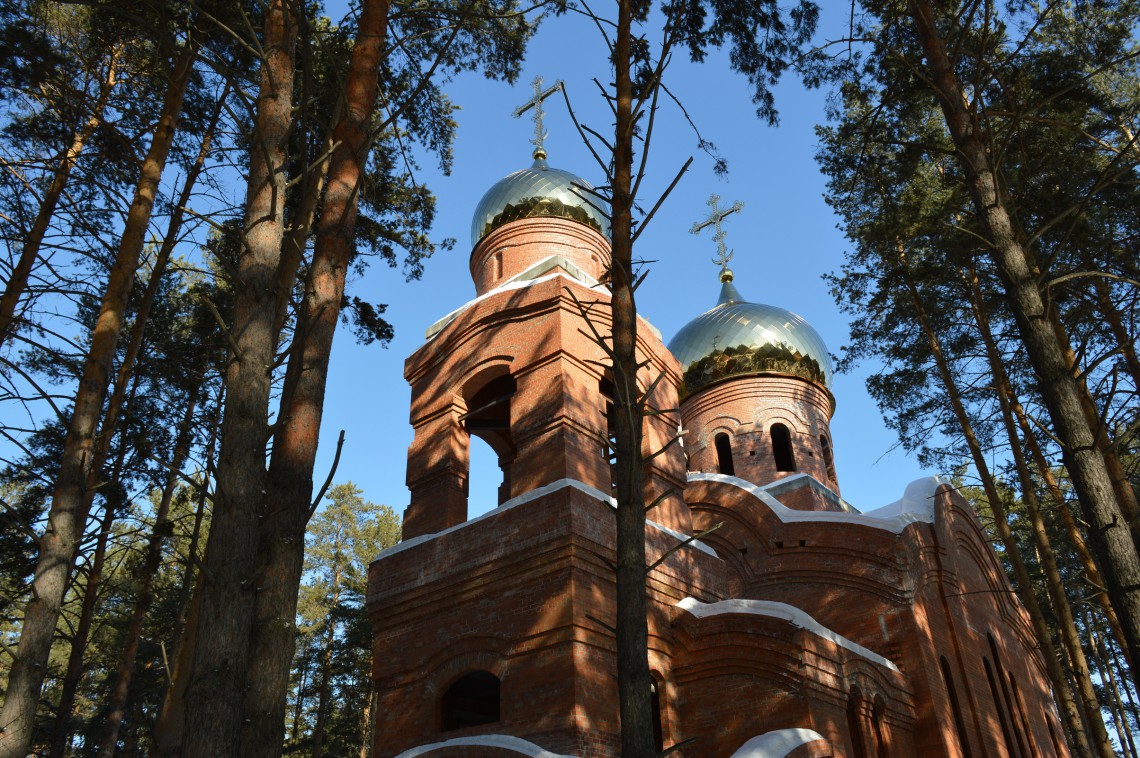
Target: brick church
[[801, 627]]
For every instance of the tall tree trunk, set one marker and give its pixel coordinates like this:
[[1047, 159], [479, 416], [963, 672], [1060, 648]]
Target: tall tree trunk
[[367, 721], [1060, 684], [68, 510], [1055, 586], [1044, 471], [148, 572], [1060, 389], [216, 691], [18, 280], [289, 487], [326, 673], [1119, 718], [61, 728], [168, 728], [634, 681]]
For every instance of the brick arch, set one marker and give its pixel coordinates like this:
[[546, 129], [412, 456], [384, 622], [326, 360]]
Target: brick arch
[[480, 374], [463, 656]]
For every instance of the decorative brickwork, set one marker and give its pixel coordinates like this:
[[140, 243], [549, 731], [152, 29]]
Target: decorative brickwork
[[891, 633]]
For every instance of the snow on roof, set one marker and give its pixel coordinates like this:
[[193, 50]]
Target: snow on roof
[[504, 741], [784, 612], [916, 504], [560, 265], [534, 494], [776, 744]]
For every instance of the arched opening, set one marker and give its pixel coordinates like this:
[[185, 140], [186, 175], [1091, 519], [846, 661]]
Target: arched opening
[[955, 705], [827, 459], [1024, 716], [471, 700], [1007, 699], [488, 418], [658, 731], [854, 723], [782, 448], [1005, 732], [484, 478], [878, 711], [724, 454]]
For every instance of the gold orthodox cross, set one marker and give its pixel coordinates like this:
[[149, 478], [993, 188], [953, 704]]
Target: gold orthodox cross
[[724, 255], [536, 103]]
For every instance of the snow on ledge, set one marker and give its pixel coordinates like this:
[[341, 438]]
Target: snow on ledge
[[561, 267], [776, 744], [785, 612], [504, 741], [527, 497], [916, 504]]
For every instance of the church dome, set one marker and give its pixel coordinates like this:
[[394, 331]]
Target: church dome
[[738, 338], [536, 192]]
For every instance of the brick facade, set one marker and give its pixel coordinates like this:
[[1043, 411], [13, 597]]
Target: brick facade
[[883, 634]]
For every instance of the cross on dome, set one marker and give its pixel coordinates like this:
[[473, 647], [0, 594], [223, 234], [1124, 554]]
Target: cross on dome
[[724, 255], [536, 103]]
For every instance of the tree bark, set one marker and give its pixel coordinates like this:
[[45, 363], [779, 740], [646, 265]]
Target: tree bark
[[148, 571], [216, 690], [168, 728], [1066, 624], [1060, 506], [634, 680], [18, 280], [68, 510], [1060, 389], [61, 727], [326, 673], [1057, 678], [289, 486]]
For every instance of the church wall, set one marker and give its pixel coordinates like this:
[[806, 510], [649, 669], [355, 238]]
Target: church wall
[[513, 593], [746, 408], [511, 249]]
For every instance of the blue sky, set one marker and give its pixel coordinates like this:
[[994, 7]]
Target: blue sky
[[784, 240]]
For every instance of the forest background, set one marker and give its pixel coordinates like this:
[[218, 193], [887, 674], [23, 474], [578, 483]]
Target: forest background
[[785, 239]]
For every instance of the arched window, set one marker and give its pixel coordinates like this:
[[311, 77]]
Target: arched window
[[854, 723], [827, 459], [1024, 717], [473, 699], [782, 448], [658, 732], [1007, 699], [488, 417], [1005, 733], [878, 709], [724, 454], [959, 722]]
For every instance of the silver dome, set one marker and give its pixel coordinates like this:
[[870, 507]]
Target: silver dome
[[536, 192], [739, 338]]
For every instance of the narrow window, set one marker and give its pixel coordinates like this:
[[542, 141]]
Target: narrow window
[[782, 448], [1005, 734], [724, 455], [959, 722], [498, 264], [877, 711], [1024, 717], [1007, 699], [854, 726], [827, 460], [473, 699], [658, 732], [608, 392]]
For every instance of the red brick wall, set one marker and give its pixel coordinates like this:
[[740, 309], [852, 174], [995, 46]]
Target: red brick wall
[[745, 408]]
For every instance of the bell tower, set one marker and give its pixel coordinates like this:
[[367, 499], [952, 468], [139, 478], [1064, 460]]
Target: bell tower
[[491, 623]]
